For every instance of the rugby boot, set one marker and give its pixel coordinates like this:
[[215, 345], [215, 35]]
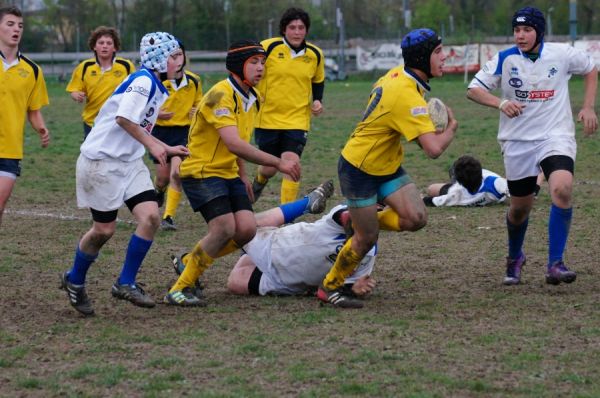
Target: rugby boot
[[77, 295], [338, 297], [558, 273], [317, 198], [133, 293], [513, 269]]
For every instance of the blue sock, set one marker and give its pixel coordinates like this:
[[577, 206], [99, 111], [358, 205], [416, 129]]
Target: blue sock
[[81, 264], [293, 210], [558, 232], [136, 251], [516, 237]]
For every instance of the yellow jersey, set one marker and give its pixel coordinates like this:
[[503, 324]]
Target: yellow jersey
[[22, 89], [181, 99], [396, 108], [98, 85], [225, 104], [287, 85]]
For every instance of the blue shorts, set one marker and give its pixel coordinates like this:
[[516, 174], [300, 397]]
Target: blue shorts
[[276, 142], [363, 190], [10, 167], [170, 135], [86, 130], [215, 196]]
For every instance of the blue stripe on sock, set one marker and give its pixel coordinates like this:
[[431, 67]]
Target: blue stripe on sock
[[136, 252], [293, 210], [516, 237], [81, 263], [559, 224]]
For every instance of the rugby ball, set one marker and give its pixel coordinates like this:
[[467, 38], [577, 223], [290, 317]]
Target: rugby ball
[[438, 113]]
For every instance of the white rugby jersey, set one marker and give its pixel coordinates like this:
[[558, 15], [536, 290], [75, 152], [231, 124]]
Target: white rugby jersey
[[493, 190], [137, 99], [298, 256], [542, 86]]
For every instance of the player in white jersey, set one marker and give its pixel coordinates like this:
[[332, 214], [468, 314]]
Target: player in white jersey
[[295, 258], [537, 131], [470, 185], [111, 171]]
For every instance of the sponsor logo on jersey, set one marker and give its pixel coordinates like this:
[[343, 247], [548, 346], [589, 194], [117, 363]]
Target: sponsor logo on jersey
[[514, 71], [280, 56], [515, 82], [150, 112], [118, 73], [552, 71], [94, 73], [138, 89], [146, 125], [23, 72], [221, 112], [419, 110], [535, 94], [541, 94]]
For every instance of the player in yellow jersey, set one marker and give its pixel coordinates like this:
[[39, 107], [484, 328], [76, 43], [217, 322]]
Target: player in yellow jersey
[[213, 176], [172, 126], [23, 91], [293, 90], [370, 167], [95, 79]]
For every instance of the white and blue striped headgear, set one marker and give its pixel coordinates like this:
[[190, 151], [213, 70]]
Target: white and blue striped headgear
[[155, 49]]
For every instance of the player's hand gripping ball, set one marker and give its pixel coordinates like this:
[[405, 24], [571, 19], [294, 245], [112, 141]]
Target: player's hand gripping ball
[[438, 113]]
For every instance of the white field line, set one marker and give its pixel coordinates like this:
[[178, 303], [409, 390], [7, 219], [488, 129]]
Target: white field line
[[59, 216]]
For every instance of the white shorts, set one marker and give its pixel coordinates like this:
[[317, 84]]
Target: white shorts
[[106, 184], [522, 158], [259, 249]]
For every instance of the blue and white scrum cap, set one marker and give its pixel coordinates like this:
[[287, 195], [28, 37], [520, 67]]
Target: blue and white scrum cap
[[155, 49], [417, 47]]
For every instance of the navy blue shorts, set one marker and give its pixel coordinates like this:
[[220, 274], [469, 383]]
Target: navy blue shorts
[[277, 142], [215, 196], [363, 190], [86, 130], [170, 135], [10, 167]]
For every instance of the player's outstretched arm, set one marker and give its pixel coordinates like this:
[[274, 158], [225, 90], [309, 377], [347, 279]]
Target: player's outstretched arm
[[484, 97], [244, 150]]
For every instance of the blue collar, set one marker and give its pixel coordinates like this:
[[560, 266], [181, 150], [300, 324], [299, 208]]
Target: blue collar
[[241, 90], [156, 80]]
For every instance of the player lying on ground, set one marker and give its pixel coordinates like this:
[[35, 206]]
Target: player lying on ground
[[470, 185], [293, 259]]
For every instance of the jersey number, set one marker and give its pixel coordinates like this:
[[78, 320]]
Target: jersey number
[[374, 99]]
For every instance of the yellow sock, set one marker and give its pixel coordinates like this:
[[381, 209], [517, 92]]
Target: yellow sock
[[173, 198], [261, 179], [345, 263], [196, 262], [289, 190], [389, 220], [230, 247]]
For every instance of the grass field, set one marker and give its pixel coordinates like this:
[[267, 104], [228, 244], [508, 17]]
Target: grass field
[[439, 324]]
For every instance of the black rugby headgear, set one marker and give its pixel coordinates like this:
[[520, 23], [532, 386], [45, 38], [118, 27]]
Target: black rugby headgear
[[531, 16], [417, 47], [239, 53]]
